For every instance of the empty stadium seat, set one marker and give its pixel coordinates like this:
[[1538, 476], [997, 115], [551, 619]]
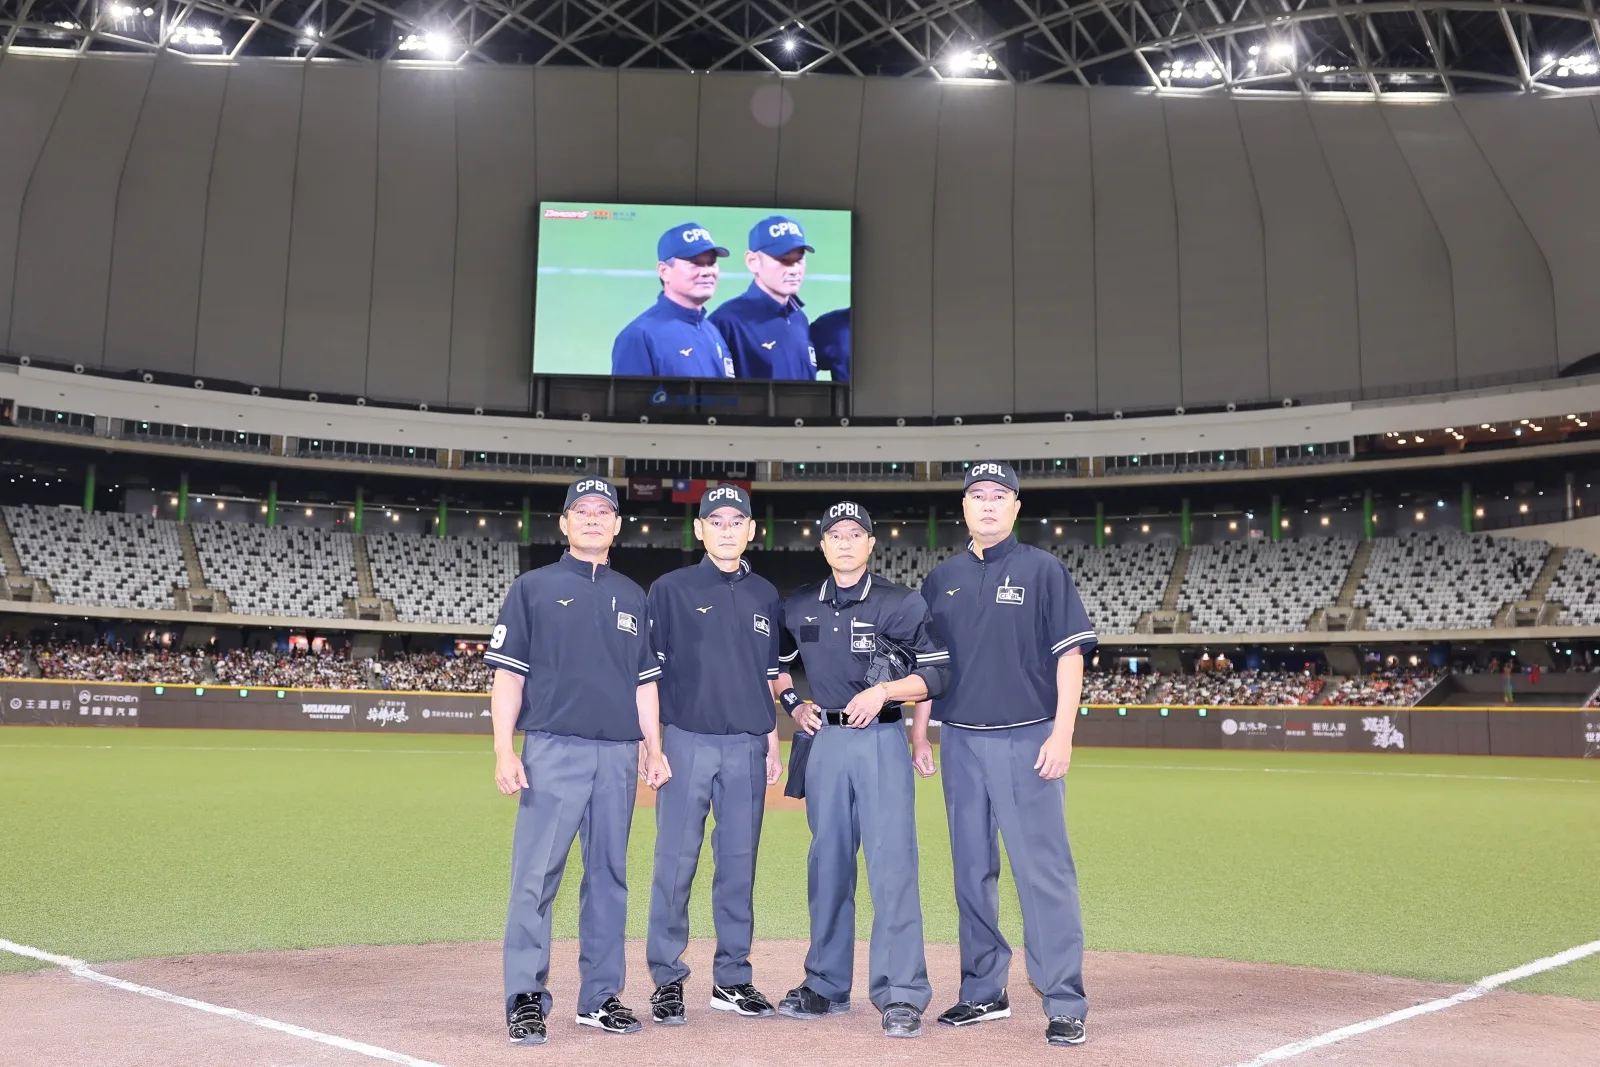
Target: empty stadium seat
[[1118, 583], [1261, 586], [431, 579], [1433, 581], [110, 559], [1577, 587], [293, 571]]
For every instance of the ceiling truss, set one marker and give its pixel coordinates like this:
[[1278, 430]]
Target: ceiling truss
[[1231, 47]]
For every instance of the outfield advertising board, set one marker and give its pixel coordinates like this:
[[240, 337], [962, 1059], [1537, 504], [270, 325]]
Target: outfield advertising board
[[1476, 731], [209, 707]]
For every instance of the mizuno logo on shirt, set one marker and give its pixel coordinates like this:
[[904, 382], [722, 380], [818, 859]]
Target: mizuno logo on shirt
[[952, 592], [685, 351], [768, 345], [811, 618], [567, 601], [705, 609]]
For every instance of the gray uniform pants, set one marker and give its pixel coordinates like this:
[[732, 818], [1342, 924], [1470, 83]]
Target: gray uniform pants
[[576, 788], [861, 795], [725, 774], [991, 790]]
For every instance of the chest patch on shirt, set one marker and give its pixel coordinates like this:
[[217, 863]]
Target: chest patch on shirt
[[863, 637], [627, 623], [763, 626], [1008, 593], [810, 633]]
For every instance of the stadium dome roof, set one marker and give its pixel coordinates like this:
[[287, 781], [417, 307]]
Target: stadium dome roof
[[1434, 47]]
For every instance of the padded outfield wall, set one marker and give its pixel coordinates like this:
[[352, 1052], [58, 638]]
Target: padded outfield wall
[[1451, 731], [369, 228]]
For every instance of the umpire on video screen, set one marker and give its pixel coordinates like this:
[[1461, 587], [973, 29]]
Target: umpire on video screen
[[574, 672], [673, 338], [768, 334], [867, 645], [1017, 633], [714, 626]]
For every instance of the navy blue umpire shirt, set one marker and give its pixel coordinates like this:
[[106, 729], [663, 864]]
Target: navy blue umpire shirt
[[716, 637], [579, 635], [830, 336], [834, 632], [671, 341], [1006, 618], [767, 339]]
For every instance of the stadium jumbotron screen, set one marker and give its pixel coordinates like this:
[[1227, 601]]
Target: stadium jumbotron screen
[[693, 292]]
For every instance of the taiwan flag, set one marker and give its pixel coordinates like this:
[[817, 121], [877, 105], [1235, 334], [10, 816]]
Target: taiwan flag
[[690, 490]]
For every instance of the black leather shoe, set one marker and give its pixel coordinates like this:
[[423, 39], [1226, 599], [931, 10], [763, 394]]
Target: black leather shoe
[[807, 1003], [666, 1005], [977, 1011], [1064, 1030], [745, 1000], [525, 1020], [612, 1017], [902, 1020]]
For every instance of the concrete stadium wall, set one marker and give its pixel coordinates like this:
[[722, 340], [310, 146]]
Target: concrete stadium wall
[[1579, 533], [370, 229]]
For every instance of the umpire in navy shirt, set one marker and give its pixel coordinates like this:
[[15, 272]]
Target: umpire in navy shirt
[[859, 785], [768, 334], [673, 338], [1017, 633], [714, 626], [574, 671]]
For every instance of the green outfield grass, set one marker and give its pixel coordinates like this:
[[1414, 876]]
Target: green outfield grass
[[117, 844]]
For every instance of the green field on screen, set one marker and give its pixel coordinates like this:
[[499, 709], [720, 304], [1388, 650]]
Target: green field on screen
[[125, 843], [596, 274]]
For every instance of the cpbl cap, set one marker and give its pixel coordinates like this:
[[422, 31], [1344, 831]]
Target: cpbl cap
[[847, 511], [686, 241], [595, 487], [777, 234], [725, 496], [991, 471]]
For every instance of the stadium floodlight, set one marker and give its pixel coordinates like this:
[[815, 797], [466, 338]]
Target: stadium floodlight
[[197, 37], [975, 60], [436, 43], [121, 12], [1282, 51], [1579, 66], [790, 44], [1255, 50]]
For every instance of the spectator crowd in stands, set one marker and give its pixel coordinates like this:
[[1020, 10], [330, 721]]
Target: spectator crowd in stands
[[1392, 687], [433, 673], [1244, 688], [13, 659], [119, 663], [290, 670], [1116, 687]]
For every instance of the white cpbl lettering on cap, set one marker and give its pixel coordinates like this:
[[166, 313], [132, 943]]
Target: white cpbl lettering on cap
[[778, 229], [592, 485], [842, 509], [987, 468], [726, 492], [691, 236]]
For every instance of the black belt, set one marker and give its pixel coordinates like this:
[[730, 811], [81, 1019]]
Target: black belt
[[890, 713]]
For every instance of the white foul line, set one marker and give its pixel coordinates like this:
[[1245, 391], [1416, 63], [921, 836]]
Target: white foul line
[[1472, 992], [81, 969]]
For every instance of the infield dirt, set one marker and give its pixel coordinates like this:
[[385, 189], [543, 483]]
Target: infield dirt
[[442, 1003]]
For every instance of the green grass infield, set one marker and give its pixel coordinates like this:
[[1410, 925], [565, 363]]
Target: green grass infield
[[121, 844]]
